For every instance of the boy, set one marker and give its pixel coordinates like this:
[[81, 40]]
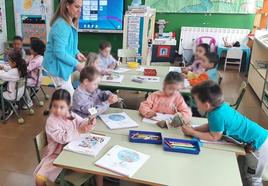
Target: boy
[[224, 120], [209, 61], [17, 47], [88, 96], [107, 61]]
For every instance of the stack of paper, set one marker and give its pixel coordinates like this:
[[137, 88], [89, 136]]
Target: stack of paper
[[159, 117], [114, 78], [122, 160], [121, 70], [89, 144], [118, 121]]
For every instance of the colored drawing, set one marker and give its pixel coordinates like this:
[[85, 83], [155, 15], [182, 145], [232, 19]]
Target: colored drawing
[[117, 117], [206, 6], [128, 156]]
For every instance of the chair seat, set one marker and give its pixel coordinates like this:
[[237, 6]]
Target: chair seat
[[265, 175], [77, 179]]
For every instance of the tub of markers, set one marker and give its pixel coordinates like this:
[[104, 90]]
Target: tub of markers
[[181, 145], [136, 136]]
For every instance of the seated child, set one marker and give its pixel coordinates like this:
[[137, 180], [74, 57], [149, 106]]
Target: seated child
[[167, 101], [17, 47], [17, 70], [196, 67], [62, 126], [210, 62], [225, 120], [34, 63], [87, 95], [107, 61]]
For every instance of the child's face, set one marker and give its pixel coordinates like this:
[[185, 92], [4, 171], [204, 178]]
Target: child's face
[[170, 89], [32, 52], [60, 108], [203, 107], [91, 86], [17, 45], [12, 64], [200, 51], [96, 62], [106, 52], [205, 63]]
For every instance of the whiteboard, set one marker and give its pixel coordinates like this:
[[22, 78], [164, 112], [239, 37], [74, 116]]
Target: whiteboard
[[3, 31]]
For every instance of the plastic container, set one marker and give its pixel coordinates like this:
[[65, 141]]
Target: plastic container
[[132, 64], [186, 146], [149, 137]]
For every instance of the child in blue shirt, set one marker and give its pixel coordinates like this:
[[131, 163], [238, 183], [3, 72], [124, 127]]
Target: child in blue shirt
[[107, 61], [224, 120], [209, 61]]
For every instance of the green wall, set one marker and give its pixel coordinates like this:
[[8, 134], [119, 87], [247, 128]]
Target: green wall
[[90, 41]]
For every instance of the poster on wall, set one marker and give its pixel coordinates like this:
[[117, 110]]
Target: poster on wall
[[206, 6], [1, 20], [32, 18], [3, 30]]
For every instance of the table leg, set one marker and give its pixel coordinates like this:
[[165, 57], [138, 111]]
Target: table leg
[[2, 102]]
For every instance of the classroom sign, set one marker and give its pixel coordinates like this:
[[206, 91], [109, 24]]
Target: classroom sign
[[206, 6]]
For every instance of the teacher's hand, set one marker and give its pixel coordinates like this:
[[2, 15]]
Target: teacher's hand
[[80, 57], [80, 66]]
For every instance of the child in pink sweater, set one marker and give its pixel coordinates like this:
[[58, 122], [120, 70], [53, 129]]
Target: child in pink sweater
[[167, 101], [62, 126]]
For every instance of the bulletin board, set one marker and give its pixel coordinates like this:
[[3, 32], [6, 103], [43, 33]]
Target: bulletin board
[[32, 18], [3, 29]]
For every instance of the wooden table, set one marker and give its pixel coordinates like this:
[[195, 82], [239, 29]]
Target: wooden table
[[211, 167], [174, 132]]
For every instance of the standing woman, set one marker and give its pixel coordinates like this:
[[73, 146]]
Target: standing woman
[[62, 56]]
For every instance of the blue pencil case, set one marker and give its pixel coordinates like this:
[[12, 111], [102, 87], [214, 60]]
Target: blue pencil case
[[181, 145], [136, 136]]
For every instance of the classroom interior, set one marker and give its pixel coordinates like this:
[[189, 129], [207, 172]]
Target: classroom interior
[[18, 157]]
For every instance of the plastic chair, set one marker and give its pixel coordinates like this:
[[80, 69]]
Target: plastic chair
[[242, 91], [48, 81], [211, 42], [19, 96], [127, 53], [234, 56], [265, 175], [72, 178]]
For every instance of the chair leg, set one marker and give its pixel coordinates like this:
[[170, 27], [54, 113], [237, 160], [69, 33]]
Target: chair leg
[[14, 109], [40, 103], [31, 111], [45, 94], [225, 63]]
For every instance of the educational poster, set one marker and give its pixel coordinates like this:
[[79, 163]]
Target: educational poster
[[3, 30], [206, 6], [31, 17]]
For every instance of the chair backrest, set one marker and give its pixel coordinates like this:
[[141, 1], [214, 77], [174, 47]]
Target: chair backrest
[[126, 53], [242, 91], [211, 41], [234, 53], [20, 88], [40, 141]]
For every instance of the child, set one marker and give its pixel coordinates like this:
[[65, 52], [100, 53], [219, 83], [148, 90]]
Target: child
[[224, 120], [17, 47], [62, 127], [196, 68], [210, 62], [87, 95], [107, 62], [168, 101], [34, 63], [17, 69]]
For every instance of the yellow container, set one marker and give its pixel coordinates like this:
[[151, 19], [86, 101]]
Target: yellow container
[[132, 64]]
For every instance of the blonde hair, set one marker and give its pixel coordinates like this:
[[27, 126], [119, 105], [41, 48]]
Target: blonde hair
[[63, 12], [91, 58]]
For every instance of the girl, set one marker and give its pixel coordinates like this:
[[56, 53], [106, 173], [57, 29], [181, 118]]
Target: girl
[[62, 126], [196, 68], [107, 62], [16, 70], [167, 101], [34, 63]]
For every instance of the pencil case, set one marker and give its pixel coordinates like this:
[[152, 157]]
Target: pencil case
[[181, 145], [150, 72], [136, 136]]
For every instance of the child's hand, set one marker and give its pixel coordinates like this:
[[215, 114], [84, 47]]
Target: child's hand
[[187, 130], [88, 127], [185, 70], [80, 66], [113, 99], [150, 114], [81, 58]]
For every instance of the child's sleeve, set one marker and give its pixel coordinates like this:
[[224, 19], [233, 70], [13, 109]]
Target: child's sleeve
[[112, 62], [34, 64], [79, 121], [104, 95], [8, 75], [216, 123], [60, 134], [60, 40], [183, 108], [147, 105]]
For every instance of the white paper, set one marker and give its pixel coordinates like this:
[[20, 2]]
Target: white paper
[[186, 83], [122, 160], [121, 70], [118, 120], [175, 69], [88, 144], [116, 78], [151, 79], [140, 69], [160, 117]]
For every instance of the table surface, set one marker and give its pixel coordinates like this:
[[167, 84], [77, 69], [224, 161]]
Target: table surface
[[208, 168], [173, 132]]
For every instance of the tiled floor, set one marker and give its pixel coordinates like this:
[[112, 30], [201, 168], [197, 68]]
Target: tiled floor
[[17, 154]]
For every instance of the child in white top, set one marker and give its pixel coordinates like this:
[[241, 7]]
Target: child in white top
[[107, 61]]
